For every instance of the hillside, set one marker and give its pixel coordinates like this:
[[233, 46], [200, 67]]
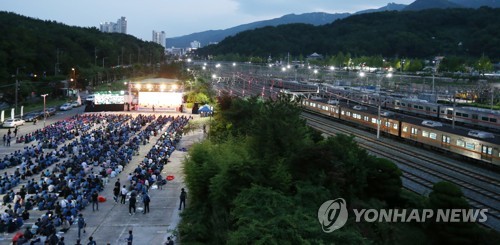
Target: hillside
[[477, 3], [214, 36], [35, 46], [404, 34], [206, 37], [431, 4], [388, 7]]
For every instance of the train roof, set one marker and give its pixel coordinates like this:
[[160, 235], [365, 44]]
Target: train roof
[[469, 133], [484, 110]]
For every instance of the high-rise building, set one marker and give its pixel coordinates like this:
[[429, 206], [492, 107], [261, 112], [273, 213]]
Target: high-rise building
[[159, 38], [195, 44], [120, 26]]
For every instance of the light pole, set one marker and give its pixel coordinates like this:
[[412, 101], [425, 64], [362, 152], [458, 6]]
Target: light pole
[[434, 68], [402, 64], [17, 84], [332, 68], [103, 58], [44, 111]]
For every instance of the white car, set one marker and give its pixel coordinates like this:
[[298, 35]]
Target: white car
[[66, 107], [12, 123], [90, 97], [75, 104]]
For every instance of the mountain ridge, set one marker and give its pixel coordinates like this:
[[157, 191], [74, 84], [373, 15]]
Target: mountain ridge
[[320, 18]]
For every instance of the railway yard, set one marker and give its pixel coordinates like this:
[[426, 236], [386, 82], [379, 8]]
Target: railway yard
[[427, 148]]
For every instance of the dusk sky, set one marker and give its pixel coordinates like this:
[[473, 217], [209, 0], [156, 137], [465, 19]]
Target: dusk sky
[[179, 17]]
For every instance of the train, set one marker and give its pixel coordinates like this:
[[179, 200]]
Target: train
[[480, 118], [473, 144]]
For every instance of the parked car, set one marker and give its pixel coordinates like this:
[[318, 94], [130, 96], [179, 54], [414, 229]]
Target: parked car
[[12, 123], [66, 107], [32, 116], [50, 111], [75, 104]]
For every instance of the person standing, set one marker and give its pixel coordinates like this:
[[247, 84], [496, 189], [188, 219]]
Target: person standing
[[146, 199], [153, 108], [131, 204], [95, 201], [116, 193], [4, 140], [15, 131], [117, 183], [81, 225], [183, 199], [170, 241], [130, 237], [124, 194]]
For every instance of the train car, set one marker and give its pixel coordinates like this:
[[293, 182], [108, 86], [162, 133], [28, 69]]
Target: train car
[[478, 117], [478, 145], [470, 116], [321, 106], [416, 107], [473, 144], [367, 117]]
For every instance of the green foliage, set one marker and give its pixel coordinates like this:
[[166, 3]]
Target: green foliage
[[275, 130], [484, 65], [446, 195], [260, 179], [194, 97], [416, 34], [30, 46], [384, 180]]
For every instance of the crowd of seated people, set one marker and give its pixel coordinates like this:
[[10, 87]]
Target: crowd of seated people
[[85, 166], [149, 170]]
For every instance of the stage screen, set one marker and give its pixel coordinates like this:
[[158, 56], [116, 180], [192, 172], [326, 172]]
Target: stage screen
[[160, 99], [109, 98]]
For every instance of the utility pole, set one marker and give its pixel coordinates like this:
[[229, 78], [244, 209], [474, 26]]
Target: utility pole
[[44, 110], [378, 120], [17, 84], [95, 56], [56, 67], [139, 55]]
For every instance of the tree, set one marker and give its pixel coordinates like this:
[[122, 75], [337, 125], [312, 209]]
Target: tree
[[383, 180], [484, 65], [446, 195]]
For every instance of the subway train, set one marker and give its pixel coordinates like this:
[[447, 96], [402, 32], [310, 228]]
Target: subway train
[[479, 118], [472, 144]]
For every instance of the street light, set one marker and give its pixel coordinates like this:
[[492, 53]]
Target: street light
[[332, 68], [44, 111]]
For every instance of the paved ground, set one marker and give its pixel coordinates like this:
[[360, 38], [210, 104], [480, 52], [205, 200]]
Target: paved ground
[[112, 222]]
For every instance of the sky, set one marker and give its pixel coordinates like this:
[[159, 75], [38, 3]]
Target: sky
[[178, 17]]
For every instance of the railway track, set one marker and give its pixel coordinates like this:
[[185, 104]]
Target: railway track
[[479, 196]]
